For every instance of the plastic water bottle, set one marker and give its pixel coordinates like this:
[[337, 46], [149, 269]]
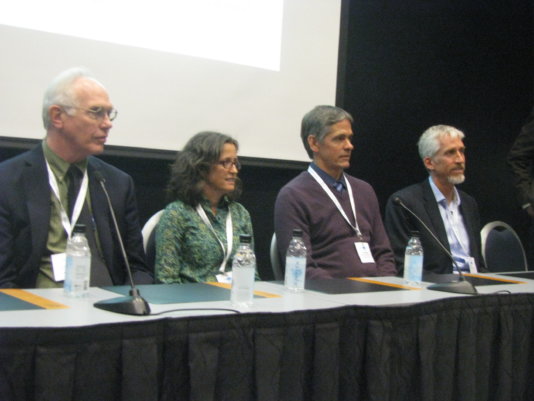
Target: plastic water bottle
[[295, 263], [413, 261], [78, 263], [243, 272]]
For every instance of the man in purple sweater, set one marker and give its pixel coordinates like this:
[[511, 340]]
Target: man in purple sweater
[[338, 214]]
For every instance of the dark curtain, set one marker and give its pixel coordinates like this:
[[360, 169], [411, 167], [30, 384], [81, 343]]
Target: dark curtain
[[468, 348]]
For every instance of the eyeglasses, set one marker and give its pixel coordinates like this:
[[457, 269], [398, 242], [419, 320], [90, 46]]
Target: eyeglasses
[[227, 164], [98, 112]]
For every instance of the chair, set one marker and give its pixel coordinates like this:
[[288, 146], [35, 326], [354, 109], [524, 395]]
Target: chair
[[149, 238], [502, 249], [275, 260]]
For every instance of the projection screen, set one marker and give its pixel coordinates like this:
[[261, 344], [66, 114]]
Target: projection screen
[[248, 68]]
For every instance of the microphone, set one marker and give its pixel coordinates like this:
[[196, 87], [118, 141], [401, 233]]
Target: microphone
[[462, 286], [133, 304]]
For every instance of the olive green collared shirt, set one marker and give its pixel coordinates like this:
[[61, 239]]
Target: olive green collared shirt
[[57, 237]]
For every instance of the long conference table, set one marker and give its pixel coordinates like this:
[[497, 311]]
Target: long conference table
[[353, 339]]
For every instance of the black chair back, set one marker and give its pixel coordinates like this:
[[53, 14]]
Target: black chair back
[[502, 249]]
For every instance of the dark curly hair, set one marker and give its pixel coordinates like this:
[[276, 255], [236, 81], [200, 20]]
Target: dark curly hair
[[193, 164]]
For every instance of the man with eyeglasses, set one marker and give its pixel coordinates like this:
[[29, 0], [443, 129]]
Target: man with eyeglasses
[[49, 189], [337, 213]]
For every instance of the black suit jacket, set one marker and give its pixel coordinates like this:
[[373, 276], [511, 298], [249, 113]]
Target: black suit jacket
[[420, 199], [25, 199]]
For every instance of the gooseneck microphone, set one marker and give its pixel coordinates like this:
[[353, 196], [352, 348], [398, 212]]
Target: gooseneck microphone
[[462, 286], [133, 304]]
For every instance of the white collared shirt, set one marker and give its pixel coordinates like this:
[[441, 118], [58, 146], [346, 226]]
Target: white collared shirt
[[454, 226]]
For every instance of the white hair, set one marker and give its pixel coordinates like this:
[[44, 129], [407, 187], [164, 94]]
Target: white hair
[[428, 143], [60, 92]]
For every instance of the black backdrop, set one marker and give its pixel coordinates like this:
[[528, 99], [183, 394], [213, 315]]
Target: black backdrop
[[412, 64], [404, 65]]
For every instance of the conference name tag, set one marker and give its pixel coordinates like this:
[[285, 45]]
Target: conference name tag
[[224, 278], [472, 265], [364, 252], [59, 261]]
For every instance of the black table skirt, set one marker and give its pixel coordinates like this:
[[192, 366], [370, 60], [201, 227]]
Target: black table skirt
[[469, 348]]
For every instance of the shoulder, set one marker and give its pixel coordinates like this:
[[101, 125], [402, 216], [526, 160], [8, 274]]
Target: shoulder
[[240, 214], [298, 192], [33, 156], [302, 179], [237, 207], [177, 206], [176, 214], [414, 192], [13, 169], [467, 199], [302, 183], [108, 171], [358, 183], [361, 189]]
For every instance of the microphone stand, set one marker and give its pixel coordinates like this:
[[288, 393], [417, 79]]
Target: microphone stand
[[133, 304], [462, 286]]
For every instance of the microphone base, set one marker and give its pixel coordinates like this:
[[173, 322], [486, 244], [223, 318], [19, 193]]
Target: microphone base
[[458, 287], [130, 305]]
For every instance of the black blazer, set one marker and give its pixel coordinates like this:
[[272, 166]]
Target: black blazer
[[520, 159], [420, 199], [25, 216]]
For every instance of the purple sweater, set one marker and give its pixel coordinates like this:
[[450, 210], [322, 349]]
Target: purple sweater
[[303, 204]]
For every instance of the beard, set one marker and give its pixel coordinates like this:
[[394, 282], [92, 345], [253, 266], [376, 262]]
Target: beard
[[456, 179]]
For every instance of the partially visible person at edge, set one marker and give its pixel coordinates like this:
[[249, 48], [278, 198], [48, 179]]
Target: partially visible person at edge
[[337, 213], [520, 159], [198, 232], [50, 188]]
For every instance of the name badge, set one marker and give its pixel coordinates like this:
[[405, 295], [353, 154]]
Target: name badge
[[224, 278], [472, 265], [59, 261], [364, 252]]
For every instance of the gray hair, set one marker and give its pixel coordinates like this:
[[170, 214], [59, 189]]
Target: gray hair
[[318, 121], [60, 92], [428, 143]]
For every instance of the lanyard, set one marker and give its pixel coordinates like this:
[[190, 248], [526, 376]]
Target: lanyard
[[327, 190], [229, 234], [68, 225]]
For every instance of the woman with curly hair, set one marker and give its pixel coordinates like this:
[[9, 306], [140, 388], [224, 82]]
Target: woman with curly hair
[[199, 230]]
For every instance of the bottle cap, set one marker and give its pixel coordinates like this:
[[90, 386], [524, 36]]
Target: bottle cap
[[245, 238], [415, 233], [79, 228], [297, 232]]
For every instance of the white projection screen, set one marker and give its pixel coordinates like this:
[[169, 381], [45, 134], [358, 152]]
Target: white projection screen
[[248, 68]]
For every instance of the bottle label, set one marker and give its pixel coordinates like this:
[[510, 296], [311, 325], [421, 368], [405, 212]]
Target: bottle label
[[413, 268], [77, 273], [242, 291], [295, 273]]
